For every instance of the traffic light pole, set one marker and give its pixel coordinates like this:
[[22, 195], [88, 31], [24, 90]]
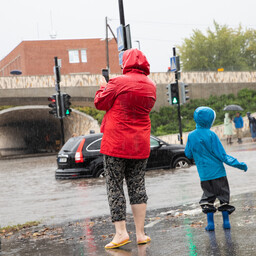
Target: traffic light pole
[[179, 116], [57, 73], [122, 21]]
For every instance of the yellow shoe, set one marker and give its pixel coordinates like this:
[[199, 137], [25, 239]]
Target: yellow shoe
[[145, 241], [115, 245]]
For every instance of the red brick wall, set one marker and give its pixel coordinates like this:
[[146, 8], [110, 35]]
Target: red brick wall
[[13, 61], [37, 57]]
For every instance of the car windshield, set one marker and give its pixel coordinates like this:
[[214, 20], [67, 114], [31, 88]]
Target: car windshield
[[154, 142]]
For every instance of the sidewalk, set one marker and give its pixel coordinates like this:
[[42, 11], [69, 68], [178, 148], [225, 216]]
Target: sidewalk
[[174, 231]]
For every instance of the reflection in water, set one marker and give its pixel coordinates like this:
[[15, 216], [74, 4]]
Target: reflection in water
[[214, 249], [119, 252], [230, 246], [189, 234], [213, 245], [89, 242], [142, 251]]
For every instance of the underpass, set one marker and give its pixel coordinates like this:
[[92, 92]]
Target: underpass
[[31, 129]]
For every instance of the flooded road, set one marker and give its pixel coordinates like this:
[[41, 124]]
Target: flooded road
[[29, 191]]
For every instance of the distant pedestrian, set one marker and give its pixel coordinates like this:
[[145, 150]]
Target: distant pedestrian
[[239, 124], [228, 128], [127, 100], [205, 148], [252, 125]]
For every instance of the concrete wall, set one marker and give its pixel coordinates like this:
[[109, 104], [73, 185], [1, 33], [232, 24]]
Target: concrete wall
[[218, 129], [77, 80], [80, 124], [204, 91], [35, 90]]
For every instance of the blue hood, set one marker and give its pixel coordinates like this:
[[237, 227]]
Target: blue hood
[[204, 117]]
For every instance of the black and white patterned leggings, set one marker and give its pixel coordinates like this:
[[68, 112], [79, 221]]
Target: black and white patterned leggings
[[133, 170]]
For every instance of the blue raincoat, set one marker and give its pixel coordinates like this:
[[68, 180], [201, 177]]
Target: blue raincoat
[[205, 148]]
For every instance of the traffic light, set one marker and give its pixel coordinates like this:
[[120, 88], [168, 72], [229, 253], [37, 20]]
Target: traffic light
[[54, 105], [174, 94], [169, 94], [65, 103], [184, 91]]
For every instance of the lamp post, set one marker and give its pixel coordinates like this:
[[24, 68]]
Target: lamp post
[[16, 72], [137, 41]]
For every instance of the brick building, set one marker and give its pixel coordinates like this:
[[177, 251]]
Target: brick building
[[77, 56]]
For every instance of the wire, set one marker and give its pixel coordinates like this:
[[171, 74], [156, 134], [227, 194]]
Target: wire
[[180, 24]]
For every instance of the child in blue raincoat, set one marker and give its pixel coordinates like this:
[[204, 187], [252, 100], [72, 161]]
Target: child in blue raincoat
[[205, 148]]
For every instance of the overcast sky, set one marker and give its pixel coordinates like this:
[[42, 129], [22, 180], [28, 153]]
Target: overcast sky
[[158, 25]]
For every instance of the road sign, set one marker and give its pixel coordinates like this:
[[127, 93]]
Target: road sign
[[121, 58], [173, 64], [120, 38]]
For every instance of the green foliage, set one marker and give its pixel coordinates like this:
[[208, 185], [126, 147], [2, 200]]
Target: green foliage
[[5, 107], [166, 120], [18, 227], [222, 47], [96, 114]]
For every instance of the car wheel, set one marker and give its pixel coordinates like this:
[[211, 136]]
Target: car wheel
[[100, 173], [181, 162]]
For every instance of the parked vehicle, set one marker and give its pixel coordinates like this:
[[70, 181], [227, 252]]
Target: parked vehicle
[[80, 157]]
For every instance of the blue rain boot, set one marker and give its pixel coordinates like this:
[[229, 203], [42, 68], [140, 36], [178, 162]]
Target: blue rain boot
[[210, 220], [226, 223]]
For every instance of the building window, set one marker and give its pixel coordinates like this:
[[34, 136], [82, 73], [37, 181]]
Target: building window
[[73, 56], [83, 55]]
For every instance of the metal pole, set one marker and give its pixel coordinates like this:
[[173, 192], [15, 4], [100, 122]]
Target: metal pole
[[121, 12], [138, 44], [179, 116], [107, 50], [112, 33], [60, 109], [122, 21]]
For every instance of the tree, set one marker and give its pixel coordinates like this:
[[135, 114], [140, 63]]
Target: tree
[[166, 120], [222, 47]]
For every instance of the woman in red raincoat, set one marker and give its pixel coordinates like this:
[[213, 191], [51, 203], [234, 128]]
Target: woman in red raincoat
[[127, 100]]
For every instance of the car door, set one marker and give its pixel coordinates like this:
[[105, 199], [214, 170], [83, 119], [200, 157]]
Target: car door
[[158, 154]]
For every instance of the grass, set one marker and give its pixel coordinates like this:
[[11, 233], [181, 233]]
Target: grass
[[18, 227]]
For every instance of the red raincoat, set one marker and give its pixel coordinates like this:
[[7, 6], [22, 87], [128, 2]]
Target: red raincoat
[[128, 100]]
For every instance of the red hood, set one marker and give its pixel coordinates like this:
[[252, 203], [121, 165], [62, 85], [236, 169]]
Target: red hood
[[134, 59]]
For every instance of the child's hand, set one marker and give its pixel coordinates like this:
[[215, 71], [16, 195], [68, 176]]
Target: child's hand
[[243, 166]]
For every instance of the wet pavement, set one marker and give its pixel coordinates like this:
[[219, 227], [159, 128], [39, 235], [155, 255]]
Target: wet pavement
[[75, 221], [174, 231]]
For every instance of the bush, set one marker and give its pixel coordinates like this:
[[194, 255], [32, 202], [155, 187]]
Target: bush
[[166, 120], [96, 114]]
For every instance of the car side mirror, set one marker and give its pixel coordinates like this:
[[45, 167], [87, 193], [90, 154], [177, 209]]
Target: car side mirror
[[161, 144]]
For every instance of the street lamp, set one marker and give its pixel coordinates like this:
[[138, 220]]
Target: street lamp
[[137, 41], [15, 72]]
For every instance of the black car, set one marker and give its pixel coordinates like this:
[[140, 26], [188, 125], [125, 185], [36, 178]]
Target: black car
[[81, 157]]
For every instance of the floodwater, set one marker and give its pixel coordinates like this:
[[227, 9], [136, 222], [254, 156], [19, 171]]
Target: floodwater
[[29, 191]]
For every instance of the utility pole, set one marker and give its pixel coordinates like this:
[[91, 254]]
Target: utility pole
[[177, 82], [107, 50], [107, 26]]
